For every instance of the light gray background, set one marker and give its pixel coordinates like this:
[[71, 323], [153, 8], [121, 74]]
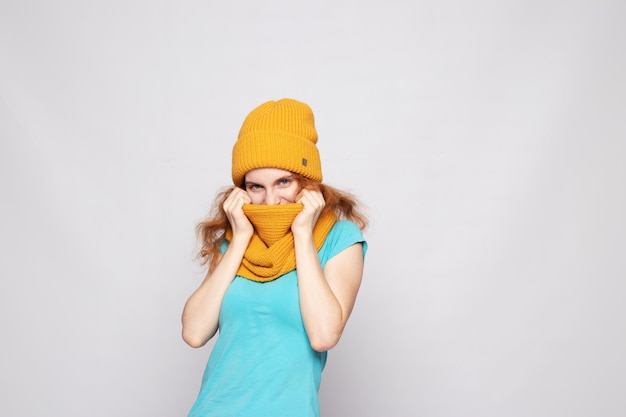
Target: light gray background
[[487, 139]]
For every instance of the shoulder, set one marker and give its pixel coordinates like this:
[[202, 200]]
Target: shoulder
[[342, 235], [346, 229]]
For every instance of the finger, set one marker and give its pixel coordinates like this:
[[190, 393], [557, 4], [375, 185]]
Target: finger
[[318, 197], [313, 199], [235, 199]]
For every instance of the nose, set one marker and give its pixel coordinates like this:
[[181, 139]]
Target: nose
[[271, 197]]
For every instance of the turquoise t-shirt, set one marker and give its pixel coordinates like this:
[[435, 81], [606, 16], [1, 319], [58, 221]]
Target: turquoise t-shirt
[[262, 363]]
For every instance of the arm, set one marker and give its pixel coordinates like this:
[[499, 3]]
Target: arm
[[201, 312], [326, 296]]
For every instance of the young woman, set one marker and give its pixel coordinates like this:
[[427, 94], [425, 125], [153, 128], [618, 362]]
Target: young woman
[[285, 259]]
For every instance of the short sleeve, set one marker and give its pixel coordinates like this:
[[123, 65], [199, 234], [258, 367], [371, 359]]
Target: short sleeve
[[223, 246], [342, 235]]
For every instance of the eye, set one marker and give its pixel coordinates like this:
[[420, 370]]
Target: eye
[[253, 187], [285, 181]]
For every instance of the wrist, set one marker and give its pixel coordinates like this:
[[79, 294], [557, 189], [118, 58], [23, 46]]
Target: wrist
[[302, 234], [241, 240]]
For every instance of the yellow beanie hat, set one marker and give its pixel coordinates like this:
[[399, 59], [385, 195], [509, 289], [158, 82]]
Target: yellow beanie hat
[[278, 134]]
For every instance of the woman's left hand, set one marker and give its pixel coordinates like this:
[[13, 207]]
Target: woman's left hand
[[313, 202]]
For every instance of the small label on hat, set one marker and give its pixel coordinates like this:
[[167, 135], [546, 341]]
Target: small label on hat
[[304, 161]]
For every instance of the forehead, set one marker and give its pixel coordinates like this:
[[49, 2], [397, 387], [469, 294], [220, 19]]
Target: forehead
[[266, 174]]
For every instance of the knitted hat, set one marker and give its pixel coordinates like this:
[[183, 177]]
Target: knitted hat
[[278, 134]]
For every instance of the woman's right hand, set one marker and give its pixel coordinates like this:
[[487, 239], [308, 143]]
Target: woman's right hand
[[233, 207]]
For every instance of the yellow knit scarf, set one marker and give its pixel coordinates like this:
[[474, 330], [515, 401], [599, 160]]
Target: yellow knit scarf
[[271, 251]]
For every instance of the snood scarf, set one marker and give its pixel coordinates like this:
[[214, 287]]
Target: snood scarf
[[271, 252]]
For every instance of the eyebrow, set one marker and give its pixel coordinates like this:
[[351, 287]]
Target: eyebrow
[[286, 177]]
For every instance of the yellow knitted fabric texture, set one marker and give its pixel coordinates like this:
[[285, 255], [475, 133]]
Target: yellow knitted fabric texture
[[271, 251], [278, 134]]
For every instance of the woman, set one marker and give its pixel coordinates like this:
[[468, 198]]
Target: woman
[[285, 260]]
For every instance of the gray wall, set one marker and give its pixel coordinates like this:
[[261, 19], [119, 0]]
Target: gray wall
[[486, 138]]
